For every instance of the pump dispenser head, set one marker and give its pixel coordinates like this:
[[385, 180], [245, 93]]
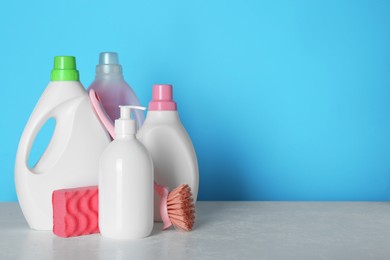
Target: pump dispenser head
[[125, 125], [108, 64]]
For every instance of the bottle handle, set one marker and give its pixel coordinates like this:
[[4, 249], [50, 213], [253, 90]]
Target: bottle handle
[[162, 191], [47, 107], [41, 114]]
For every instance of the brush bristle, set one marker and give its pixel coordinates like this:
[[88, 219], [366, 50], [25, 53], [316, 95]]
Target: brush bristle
[[181, 209]]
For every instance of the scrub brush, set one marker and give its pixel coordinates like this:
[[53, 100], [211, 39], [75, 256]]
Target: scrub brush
[[176, 207]]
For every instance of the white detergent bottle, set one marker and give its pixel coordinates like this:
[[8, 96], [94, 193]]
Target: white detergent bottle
[[126, 183], [167, 141], [112, 89], [72, 157]]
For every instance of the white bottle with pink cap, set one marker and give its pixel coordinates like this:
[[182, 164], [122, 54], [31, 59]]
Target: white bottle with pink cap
[[168, 143]]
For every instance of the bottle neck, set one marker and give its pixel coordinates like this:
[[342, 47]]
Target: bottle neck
[[167, 116], [125, 136], [107, 76], [109, 71]]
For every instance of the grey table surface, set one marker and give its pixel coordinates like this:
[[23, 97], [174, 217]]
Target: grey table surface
[[224, 230]]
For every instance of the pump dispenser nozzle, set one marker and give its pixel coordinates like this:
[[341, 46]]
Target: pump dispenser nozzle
[[125, 125]]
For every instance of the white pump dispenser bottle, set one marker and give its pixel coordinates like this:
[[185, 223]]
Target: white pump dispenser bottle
[[126, 183]]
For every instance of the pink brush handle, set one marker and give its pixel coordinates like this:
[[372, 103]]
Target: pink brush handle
[[109, 125], [101, 112], [163, 193]]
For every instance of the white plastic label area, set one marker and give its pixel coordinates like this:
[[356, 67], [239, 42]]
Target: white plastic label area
[[173, 154], [72, 156]]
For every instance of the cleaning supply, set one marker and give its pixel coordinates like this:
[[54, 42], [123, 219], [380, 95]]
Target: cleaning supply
[[113, 89], [72, 156], [126, 183], [177, 207], [169, 145], [75, 211]]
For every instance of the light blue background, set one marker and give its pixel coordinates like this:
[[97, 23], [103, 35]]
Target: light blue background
[[284, 100]]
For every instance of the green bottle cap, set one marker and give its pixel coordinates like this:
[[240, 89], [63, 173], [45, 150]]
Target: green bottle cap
[[64, 69]]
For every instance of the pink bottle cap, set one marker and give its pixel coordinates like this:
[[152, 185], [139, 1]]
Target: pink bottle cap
[[162, 98]]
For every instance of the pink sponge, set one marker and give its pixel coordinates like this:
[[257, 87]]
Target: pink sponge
[[75, 211]]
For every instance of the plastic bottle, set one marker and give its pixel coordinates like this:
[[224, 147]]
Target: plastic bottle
[[126, 183], [168, 143], [72, 156], [113, 89]]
